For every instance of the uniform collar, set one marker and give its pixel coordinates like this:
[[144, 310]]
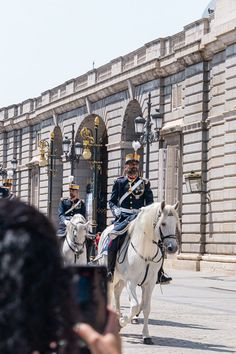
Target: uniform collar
[[75, 200]]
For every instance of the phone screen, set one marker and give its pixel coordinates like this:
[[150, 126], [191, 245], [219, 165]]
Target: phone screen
[[89, 292]]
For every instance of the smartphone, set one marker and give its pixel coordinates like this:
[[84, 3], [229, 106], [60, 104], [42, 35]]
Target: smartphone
[[89, 295]]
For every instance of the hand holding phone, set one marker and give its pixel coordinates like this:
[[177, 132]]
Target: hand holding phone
[[89, 297], [109, 343], [89, 286]]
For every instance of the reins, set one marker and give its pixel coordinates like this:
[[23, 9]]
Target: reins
[[158, 244], [148, 259], [151, 259]]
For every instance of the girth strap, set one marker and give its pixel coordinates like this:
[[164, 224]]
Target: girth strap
[[145, 275]]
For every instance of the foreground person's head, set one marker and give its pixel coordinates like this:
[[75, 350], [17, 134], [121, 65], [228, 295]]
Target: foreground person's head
[[32, 289]]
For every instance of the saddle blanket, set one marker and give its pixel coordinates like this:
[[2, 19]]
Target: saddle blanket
[[104, 250]]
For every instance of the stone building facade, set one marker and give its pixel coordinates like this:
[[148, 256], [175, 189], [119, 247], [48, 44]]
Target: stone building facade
[[191, 77]]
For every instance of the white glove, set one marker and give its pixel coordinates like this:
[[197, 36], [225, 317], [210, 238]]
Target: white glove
[[116, 212], [66, 222]]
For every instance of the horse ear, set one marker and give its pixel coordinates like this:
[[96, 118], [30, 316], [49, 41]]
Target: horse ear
[[163, 203], [176, 206]]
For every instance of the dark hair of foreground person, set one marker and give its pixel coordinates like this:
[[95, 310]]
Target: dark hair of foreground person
[[34, 301]]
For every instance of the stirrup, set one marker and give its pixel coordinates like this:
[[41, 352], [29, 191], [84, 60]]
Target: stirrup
[[163, 279]]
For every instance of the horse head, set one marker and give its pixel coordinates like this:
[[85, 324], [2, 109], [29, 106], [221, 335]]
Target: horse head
[[166, 225], [77, 228]]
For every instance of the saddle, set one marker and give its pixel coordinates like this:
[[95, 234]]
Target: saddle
[[119, 229], [123, 249], [106, 241]]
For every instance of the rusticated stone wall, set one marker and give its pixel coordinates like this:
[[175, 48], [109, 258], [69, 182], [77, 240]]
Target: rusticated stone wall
[[191, 77]]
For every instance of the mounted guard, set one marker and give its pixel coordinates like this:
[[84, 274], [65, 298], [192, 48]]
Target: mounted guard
[[130, 193], [68, 207]]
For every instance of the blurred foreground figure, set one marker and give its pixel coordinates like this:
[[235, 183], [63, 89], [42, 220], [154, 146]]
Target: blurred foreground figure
[[36, 316]]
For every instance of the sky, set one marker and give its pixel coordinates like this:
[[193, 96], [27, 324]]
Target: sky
[[44, 43]]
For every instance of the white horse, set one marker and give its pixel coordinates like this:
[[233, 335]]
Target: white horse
[[140, 258], [74, 247]]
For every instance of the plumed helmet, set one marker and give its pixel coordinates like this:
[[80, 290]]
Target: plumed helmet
[[135, 156], [72, 185], [132, 157]]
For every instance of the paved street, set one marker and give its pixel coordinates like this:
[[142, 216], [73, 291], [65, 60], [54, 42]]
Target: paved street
[[196, 313]]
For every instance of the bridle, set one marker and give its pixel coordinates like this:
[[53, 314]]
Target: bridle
[[155, 224], [159, 244], [76, 247]]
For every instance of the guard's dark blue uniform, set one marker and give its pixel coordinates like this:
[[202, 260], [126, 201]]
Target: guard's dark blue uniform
[[129, 206], [5, 193], [65, 205], [142, 195]]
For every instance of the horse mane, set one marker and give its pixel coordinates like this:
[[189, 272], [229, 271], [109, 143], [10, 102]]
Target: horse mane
[[144, 220]]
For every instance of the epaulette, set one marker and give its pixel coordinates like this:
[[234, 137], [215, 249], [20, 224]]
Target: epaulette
[[64, 198], [146, 181], [118, 178]]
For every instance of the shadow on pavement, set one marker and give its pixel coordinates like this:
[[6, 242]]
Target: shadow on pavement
[[175, 324], [178, 343]]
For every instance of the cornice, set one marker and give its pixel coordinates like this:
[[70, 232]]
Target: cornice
[[138, 75], [215, 43], [151, 69], [119, 145]]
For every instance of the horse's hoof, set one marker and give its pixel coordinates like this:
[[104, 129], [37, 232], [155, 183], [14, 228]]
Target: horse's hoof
[[135, 321], [123, 321], [147, 341]]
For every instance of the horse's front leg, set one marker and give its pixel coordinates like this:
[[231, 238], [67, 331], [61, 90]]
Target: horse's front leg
[[146, 306], [134, 304], [67, 254], [135, 320], [119, 286]]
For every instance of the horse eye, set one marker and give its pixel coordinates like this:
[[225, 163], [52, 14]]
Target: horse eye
[[163, 224]]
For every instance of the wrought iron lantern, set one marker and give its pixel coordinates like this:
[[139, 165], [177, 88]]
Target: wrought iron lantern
[[193, 182]]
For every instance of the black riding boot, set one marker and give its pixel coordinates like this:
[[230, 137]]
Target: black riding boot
[[90, 249], [111, 264], [162, 278]]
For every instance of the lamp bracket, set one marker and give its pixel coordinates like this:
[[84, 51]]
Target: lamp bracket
[[149, 137], [86, 134]]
